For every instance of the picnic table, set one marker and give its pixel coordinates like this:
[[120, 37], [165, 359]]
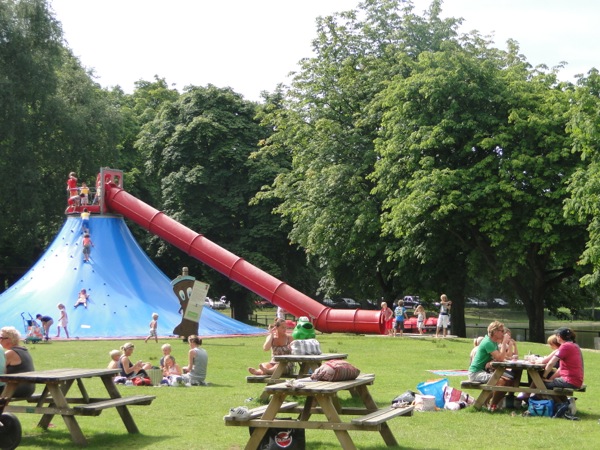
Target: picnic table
[[321, 397], [532, 369], [54, 400], [307, 363]]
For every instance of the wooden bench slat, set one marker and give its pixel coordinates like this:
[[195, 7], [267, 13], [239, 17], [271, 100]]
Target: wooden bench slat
[[485, 387], [382, 415], [570, 390], [257, 378], [97, 407]]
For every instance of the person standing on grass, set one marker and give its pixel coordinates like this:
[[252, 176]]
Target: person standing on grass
[[421, 315], [387, 316], [443, 321], [153, 326], [63, 320], [400, 314]]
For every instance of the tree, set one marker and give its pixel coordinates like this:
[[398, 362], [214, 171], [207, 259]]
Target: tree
[[584, 186], [326, 128], [473, 152], [53, 119], [199, 147]]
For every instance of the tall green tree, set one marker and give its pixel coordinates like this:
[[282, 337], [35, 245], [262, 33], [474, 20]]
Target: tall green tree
[[474, 156], [53, 119], [199, 148], [583, 204], [324, 126]]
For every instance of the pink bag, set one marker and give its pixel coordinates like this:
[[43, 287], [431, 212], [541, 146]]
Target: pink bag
[[335, 370]]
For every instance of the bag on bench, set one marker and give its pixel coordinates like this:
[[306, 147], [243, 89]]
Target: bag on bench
[[278, 438], [305, 347]]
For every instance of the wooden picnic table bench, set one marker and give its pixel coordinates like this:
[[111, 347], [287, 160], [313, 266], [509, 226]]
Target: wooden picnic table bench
[[54, 400], [537, 385], [322, 398]]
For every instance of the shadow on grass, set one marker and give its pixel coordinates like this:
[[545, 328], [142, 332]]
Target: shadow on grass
[[61, 439]]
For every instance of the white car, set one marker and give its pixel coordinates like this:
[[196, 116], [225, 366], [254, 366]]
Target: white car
[[472, 301], [500, 302]]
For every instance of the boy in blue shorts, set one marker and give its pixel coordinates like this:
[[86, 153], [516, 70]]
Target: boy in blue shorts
[[400, 313]]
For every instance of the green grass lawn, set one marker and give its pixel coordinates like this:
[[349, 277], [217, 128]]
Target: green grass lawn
[[192, 418]]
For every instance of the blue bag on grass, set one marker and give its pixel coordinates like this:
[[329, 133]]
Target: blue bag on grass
[[435, 388], [541, 408]]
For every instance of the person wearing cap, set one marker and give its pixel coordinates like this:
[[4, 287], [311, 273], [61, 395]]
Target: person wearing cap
[[570, 359]]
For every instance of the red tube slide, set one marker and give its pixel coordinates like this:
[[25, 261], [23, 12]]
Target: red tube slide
[[325, 319]]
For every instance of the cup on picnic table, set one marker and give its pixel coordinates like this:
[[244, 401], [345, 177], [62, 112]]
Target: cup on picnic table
[[515, 357]]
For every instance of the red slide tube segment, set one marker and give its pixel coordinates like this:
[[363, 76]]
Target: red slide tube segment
[[325, 319]]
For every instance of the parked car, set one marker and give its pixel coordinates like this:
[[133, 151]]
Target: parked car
[[472, 301], [342, 303], [214, 304], [370, 304], [411, 301], [500, 302]]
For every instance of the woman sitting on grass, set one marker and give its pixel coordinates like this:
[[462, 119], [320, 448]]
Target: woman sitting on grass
[[278, 342], [18, 359], [129, 369]]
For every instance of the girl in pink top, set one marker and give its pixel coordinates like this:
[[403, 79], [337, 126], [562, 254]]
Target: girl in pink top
[[570, 371]]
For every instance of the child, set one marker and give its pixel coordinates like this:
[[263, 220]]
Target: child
[[476, 343], [84, 192], [72, 185], [420, 313], [400, 313], [166, 349], [85, 221], [63, 320], [87, 247], [388, 317], [46, 324], [172, 372], [153, 326], [82, 299], [115, 356]]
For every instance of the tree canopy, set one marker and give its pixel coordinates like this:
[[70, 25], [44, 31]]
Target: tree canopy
[[403, 158]]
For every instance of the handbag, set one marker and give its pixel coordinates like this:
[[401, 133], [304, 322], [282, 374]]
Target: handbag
[[541, 408], [141, 381], [282, 438]]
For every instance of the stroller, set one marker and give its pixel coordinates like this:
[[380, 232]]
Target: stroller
[[33, 331]]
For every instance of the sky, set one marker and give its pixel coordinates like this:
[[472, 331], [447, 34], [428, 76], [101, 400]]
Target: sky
[[251, 46]]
